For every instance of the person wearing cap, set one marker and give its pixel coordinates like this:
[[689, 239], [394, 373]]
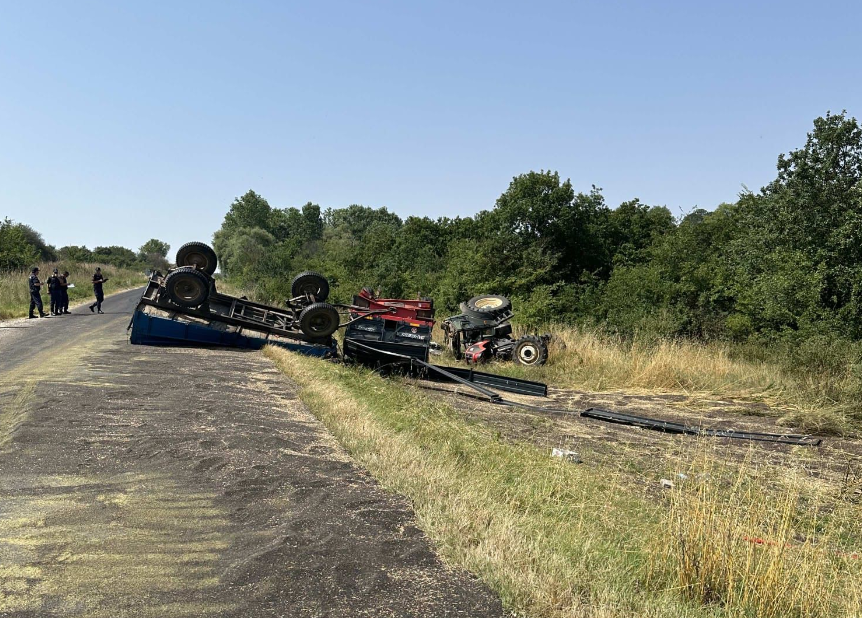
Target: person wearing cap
[[54, 290], [36, 294], [64, 292], [98, 280]]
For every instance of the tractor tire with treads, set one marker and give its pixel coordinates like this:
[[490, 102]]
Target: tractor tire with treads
[[319, 320], [310, 283], [187, 287], [530, 350], [489, 305], [198, 255]]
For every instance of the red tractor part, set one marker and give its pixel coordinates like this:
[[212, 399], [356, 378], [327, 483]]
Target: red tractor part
[[382, 329], [477, 353], [400, 309]]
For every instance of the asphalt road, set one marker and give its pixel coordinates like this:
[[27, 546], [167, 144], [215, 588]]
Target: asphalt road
[[139, 481]]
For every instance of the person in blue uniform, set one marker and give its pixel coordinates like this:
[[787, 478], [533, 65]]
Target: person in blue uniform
[[36, 294], [54, 290], [98, 280], [64, 292]]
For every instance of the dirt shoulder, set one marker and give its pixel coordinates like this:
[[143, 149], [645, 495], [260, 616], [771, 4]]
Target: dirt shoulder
[[140, 481], [837, 463]]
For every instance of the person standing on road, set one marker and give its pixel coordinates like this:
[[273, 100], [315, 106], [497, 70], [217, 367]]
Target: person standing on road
[[54, 291], [98, 280], [64, 292], [36, 294]]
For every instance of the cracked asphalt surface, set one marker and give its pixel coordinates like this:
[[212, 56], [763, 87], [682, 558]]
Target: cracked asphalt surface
[[140, 481]]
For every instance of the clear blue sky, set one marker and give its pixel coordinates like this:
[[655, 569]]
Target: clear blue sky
[[123, 121]]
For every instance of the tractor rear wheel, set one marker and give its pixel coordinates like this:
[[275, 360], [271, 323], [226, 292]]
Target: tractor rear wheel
[[187, 287], [530, 350], [489, 305], [319, 320], [199, 255], [310, 283]]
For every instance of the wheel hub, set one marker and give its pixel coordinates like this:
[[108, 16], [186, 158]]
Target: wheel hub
[[528, 354]]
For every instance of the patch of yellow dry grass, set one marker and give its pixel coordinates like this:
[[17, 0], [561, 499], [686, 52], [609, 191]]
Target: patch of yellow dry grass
[[588, 359], [761, 542]]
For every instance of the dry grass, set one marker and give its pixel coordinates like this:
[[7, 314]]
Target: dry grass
[[587, 359], [15, 292], [561, 540], [761, 542]]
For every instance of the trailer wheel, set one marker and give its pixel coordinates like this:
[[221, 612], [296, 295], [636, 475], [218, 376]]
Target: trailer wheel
[[187, 287], [319, 320], [530, 350], [310, 283], [489, 305], [199, 255]]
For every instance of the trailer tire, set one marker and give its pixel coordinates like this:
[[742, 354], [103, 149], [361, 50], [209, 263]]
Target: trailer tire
[[310, 283], [198, 255], [530, 350], [319, 320], [187, 287], [489, 305]]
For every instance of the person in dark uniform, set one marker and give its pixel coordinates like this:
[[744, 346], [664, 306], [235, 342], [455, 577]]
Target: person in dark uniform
[[98, 280], [36, 294], [64, 292], [54, 290]]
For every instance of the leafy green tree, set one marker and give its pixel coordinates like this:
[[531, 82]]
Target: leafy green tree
[[244, 253], [785, 263], [812, 211], [116, 256], [16, 250], [73, 253], [633, 227], [248, 211], [153, 247], [47, 253]]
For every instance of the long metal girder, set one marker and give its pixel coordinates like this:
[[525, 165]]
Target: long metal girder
[[679, 428], [503, 383], [476, 380]]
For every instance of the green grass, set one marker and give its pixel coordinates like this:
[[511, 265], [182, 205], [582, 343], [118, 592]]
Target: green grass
[[15, 293], [556, 539]]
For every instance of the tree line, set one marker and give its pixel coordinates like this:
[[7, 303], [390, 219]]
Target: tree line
[[782, 262], [21, 247]]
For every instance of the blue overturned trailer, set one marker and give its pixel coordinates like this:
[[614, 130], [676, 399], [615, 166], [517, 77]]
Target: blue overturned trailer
[[184, 308], [153, 329]]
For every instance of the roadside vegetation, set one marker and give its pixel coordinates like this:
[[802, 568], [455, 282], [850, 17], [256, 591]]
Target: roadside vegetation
[[15, 293], [558, 539], [22, 248]]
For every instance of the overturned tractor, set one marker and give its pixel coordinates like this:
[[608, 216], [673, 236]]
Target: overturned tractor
[[482, 331]]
